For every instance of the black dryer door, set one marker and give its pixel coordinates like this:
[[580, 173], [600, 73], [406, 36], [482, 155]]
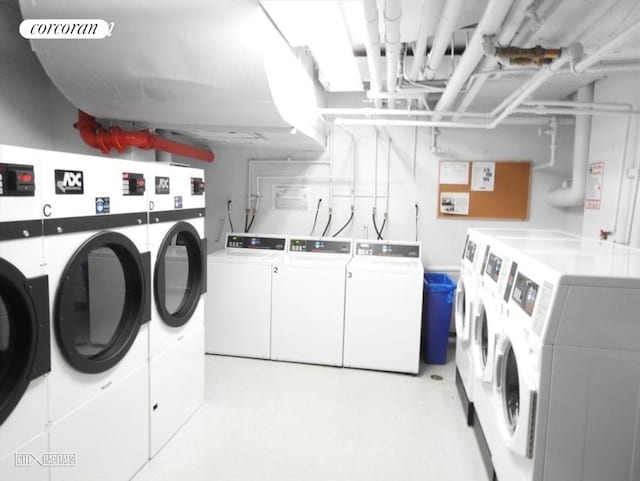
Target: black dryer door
[[180, 274], [24, 334]]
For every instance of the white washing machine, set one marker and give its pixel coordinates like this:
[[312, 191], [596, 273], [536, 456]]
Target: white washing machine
[[95, 242], [566, 386], [176, 331], [238, 303], [24, 319], [465, 301], [308, 296], [383, 307]]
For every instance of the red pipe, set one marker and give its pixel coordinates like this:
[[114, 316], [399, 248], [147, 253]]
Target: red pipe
[[94, 135]]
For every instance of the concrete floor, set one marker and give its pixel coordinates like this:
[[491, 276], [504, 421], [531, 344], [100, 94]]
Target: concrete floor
[[265, 420]]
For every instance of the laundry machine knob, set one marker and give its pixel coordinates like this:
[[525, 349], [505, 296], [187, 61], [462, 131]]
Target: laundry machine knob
[[25, 233], [59, 230]]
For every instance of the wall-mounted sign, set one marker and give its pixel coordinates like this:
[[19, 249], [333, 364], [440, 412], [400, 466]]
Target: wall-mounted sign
[[593, 189]]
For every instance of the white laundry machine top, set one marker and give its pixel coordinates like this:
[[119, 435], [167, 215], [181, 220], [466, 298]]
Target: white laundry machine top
[[500, 232], [576, 246], [313, 250], [262, 248], [175, 187], [392, 254]]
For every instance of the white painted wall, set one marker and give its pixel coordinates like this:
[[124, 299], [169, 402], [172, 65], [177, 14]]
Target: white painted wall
[[619, 152], [412, 179]]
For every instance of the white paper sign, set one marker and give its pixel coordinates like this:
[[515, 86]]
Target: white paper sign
[[454, 173], [455, 203], [593, 190], [483, 176], [290, 197]]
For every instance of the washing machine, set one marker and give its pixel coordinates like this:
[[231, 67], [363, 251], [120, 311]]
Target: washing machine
[[24, 319], [238, 304], [176, 331], [95, 252], [567, 369], [464, 304], [308, 295], [383, 306]]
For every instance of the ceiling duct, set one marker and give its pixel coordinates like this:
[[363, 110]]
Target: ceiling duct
[[190, 66]]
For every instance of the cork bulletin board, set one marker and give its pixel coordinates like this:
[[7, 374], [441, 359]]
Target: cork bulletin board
[[484, 190]]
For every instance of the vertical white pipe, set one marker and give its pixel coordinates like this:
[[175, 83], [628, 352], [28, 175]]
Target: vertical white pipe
[[431, 11], [446, 27], [386, 209], [372, 45], [608, 47], [375, 177], [392, 14]]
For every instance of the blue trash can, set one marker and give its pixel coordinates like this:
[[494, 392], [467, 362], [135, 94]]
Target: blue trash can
[[436, 317]]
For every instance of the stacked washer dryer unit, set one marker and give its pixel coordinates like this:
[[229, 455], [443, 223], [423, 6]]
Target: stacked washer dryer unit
[[95, 240], [465, 301], [383, 308], [24, 319], [238, 304], [566, 377], [176, 332], [308, 296]]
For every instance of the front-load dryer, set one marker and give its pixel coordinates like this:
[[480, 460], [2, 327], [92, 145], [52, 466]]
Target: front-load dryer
[[308, 295], [24, 320], [464, 304], [176, 331], [383, 307], [238, 304], [95, 243]]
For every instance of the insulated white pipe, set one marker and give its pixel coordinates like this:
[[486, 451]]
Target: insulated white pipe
[[447, 25], [576, 112], [516, 16], [608, 47], [372, 45], [537, 13], [392, 14], [490, 22], [553, 144], [570, 103], [574, 196], [431, 11]]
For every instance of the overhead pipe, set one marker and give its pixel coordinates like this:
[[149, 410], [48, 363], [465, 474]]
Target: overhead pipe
[[431, 12], [446, 27], [490, 22], [94, 135], [552, 132], [574, 195], [536, 14], [392, 15], [372, 45], [608, 47]]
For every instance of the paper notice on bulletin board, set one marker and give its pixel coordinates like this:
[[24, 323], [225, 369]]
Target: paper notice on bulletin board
[[290, 197], [593, 190], [454, 203], [483, 176], [456, 173]]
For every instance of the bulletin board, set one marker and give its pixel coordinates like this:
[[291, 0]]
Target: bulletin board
[[502, 193]]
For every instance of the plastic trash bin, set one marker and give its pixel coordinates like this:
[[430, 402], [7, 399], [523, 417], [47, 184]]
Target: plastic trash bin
[[436, 317]]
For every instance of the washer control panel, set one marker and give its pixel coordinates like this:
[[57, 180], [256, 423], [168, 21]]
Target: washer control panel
[[239, 241], [133, 184], [17, 180], [387, 250], [197, 186], [320, 246]]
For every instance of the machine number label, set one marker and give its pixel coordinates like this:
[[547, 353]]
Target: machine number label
[[69, 182], [162, 185]]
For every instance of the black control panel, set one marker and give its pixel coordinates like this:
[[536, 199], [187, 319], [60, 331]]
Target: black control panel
[[525, 293], [17, 180], [133, 184], [197, 186], [510, 281], [470, 250], [255, 242], [387, 250], [321, 246], [494, 264]]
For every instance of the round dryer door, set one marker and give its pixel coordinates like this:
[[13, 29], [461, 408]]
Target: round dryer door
[[24, 340], [511, 390], [179, 275], [100, 303]]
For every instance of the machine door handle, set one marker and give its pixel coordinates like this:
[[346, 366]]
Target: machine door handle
[[498, 371], [349, 275]]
